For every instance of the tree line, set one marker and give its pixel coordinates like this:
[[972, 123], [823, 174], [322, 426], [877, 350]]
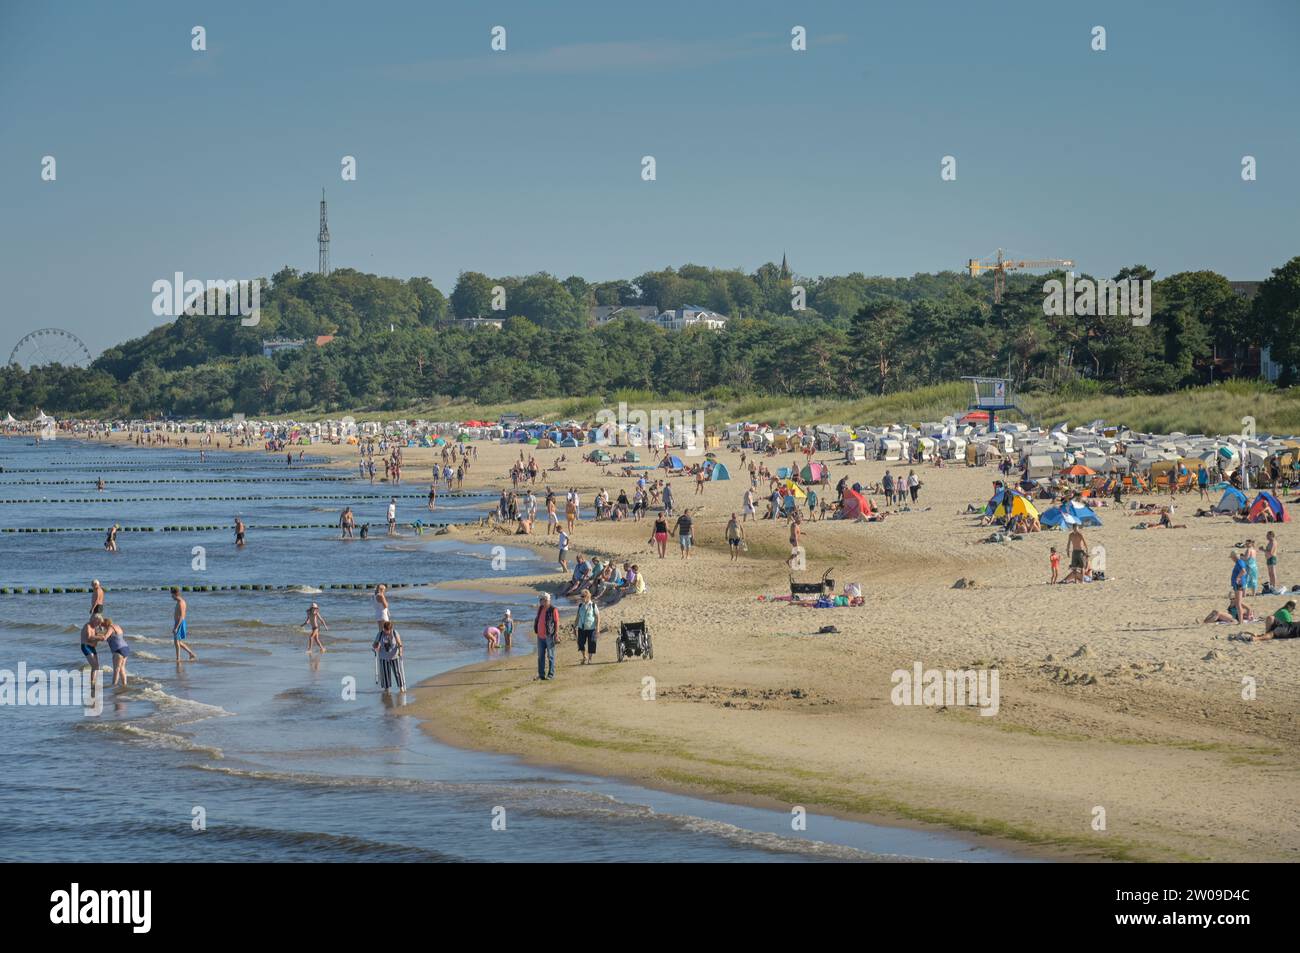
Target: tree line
[[398, 343]]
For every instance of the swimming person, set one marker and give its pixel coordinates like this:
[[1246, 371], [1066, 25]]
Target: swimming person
[[180, 626], [314, 621], [117, 646], [388, 650]]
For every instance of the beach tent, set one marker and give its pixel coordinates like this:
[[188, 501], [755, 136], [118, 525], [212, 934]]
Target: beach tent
[[855, 505], [720, 472], [1007, 502], [673, 463], [812, 473], [1078, 470], [1083, 513], [1073, 513], [1057, 517], [1270, 502], [631, 456], [545, 443], [1232, 501], [568, 442], [600, 456], [795, 489]]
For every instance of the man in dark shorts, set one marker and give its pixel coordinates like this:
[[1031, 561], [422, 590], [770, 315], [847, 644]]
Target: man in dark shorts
[[96, 597], [735, 537], [1280, 625], [1078, 549], [239, 531]]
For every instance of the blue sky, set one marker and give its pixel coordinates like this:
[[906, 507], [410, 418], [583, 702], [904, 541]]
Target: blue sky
[[529, 160]]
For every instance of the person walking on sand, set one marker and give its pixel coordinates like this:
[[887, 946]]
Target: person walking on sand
[[735, 537], [314, 622], [588, 623], [683, 530], [112, 633], [546, 626], [659, 536], [563, 541], [748, 507], [381, 604], [180, 625]]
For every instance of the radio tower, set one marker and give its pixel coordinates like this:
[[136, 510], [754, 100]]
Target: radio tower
[[324, 238]]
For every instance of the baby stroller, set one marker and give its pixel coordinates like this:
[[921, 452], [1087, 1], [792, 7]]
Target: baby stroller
[[825, 587], [634, 639]]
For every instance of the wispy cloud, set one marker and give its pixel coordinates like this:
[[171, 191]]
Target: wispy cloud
[[599, 57]]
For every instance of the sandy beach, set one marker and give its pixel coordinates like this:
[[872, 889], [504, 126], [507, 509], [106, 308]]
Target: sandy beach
[[1121, 732]]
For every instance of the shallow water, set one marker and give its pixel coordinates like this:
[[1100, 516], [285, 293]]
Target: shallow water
[[259, 738]]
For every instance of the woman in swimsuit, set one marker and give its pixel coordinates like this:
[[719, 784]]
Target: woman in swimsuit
[[660, 537], [112, 633], [314, 621]]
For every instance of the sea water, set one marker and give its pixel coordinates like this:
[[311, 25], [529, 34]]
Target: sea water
[[257, 751]]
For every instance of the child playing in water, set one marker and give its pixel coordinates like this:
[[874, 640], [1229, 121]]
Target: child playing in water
[[508, 627], [493, 636], [314, 622]]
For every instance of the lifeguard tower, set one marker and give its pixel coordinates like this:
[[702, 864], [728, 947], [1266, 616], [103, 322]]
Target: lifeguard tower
[[992, 394]]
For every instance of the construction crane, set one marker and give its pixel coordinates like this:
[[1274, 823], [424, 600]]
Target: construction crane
[[1000, 266]]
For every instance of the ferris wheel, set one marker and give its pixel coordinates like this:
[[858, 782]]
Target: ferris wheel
[[50, 346]]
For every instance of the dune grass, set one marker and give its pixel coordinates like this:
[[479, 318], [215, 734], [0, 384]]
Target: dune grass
[[1213, 409]]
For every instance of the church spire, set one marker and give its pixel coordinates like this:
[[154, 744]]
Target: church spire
[[785, 268]]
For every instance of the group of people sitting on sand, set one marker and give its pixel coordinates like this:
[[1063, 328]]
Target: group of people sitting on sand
[[603, 579]]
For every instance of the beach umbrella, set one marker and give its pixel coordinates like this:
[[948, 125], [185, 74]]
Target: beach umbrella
[[1078, 470]]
